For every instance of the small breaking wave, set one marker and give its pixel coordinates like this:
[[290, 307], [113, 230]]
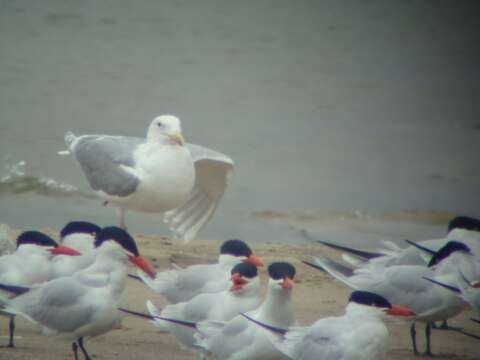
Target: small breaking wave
[[17, 181]]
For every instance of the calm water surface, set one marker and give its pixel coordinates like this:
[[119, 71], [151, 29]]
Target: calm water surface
[[329, 108]]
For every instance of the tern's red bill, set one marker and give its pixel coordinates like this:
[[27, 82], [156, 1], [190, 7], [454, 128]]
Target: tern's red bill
[[238, 282], [141, 263], [287, 283], [397, 310], [64, 250]]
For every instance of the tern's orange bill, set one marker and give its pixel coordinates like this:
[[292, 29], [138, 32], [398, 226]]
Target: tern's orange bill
[[254, 260], [287, 283], [142, 264], [397, 310], [64, 250]]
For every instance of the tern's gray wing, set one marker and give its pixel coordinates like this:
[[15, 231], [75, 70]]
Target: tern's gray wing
[[320, 341], [58, 305], [225, 338], [212, 173], [103, 160]]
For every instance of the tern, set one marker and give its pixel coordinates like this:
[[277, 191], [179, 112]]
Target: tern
[[465, 289], [84, 304], [461, 228], [29, 264], [360, 334], [183, 284], [79, 235], [404, 284], [239, 339], [242, 296], [158, 174]]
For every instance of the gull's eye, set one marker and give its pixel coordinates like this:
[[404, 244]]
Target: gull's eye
[[159, 124]]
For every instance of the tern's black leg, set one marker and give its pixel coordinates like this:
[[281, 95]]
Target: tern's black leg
[[413, 335], [12, 331], [428, 332], [80, 343], [75, 350]]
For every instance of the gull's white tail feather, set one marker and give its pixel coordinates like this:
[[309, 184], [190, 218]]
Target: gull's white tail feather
[[70, 142], [70, 139]]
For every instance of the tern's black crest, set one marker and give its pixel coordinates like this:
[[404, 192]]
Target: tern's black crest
[[447, 250], [122, 237], [464, 222], [236, 248], [82, 227], [370, 299], [245, 270], [280, 270], [36, 238]]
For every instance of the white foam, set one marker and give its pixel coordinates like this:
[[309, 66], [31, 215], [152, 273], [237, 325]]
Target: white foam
[[17, 181]]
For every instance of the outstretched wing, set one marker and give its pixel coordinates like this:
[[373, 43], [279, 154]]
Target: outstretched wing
[[212, 173], [104, 160]]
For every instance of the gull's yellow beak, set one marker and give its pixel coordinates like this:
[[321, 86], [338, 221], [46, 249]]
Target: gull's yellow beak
[[177, 138]]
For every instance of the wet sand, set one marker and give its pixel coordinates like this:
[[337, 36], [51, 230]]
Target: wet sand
[[315, 296]]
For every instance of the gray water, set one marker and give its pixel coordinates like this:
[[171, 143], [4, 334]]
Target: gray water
[[331, 107]]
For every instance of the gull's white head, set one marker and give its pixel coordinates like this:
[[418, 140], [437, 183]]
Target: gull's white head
[[166, 127]]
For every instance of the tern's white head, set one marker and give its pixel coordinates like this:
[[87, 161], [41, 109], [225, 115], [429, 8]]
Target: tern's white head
[[40, 243], [166, 128], [368, 303], [79, 235], [281, 276], [237, 251], [118, 244]]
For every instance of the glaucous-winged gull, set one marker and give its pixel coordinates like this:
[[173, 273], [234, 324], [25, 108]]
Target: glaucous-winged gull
[[160, 174]]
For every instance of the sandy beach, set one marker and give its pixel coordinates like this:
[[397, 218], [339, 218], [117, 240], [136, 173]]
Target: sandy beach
[[315, 296]]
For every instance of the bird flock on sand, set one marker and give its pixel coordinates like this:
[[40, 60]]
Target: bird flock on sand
[[76, 288]]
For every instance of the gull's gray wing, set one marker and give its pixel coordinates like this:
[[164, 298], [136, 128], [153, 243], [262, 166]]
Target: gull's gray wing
[[212, 173], [103, 158]]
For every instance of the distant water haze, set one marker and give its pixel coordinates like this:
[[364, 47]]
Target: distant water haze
[[327, 107]]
